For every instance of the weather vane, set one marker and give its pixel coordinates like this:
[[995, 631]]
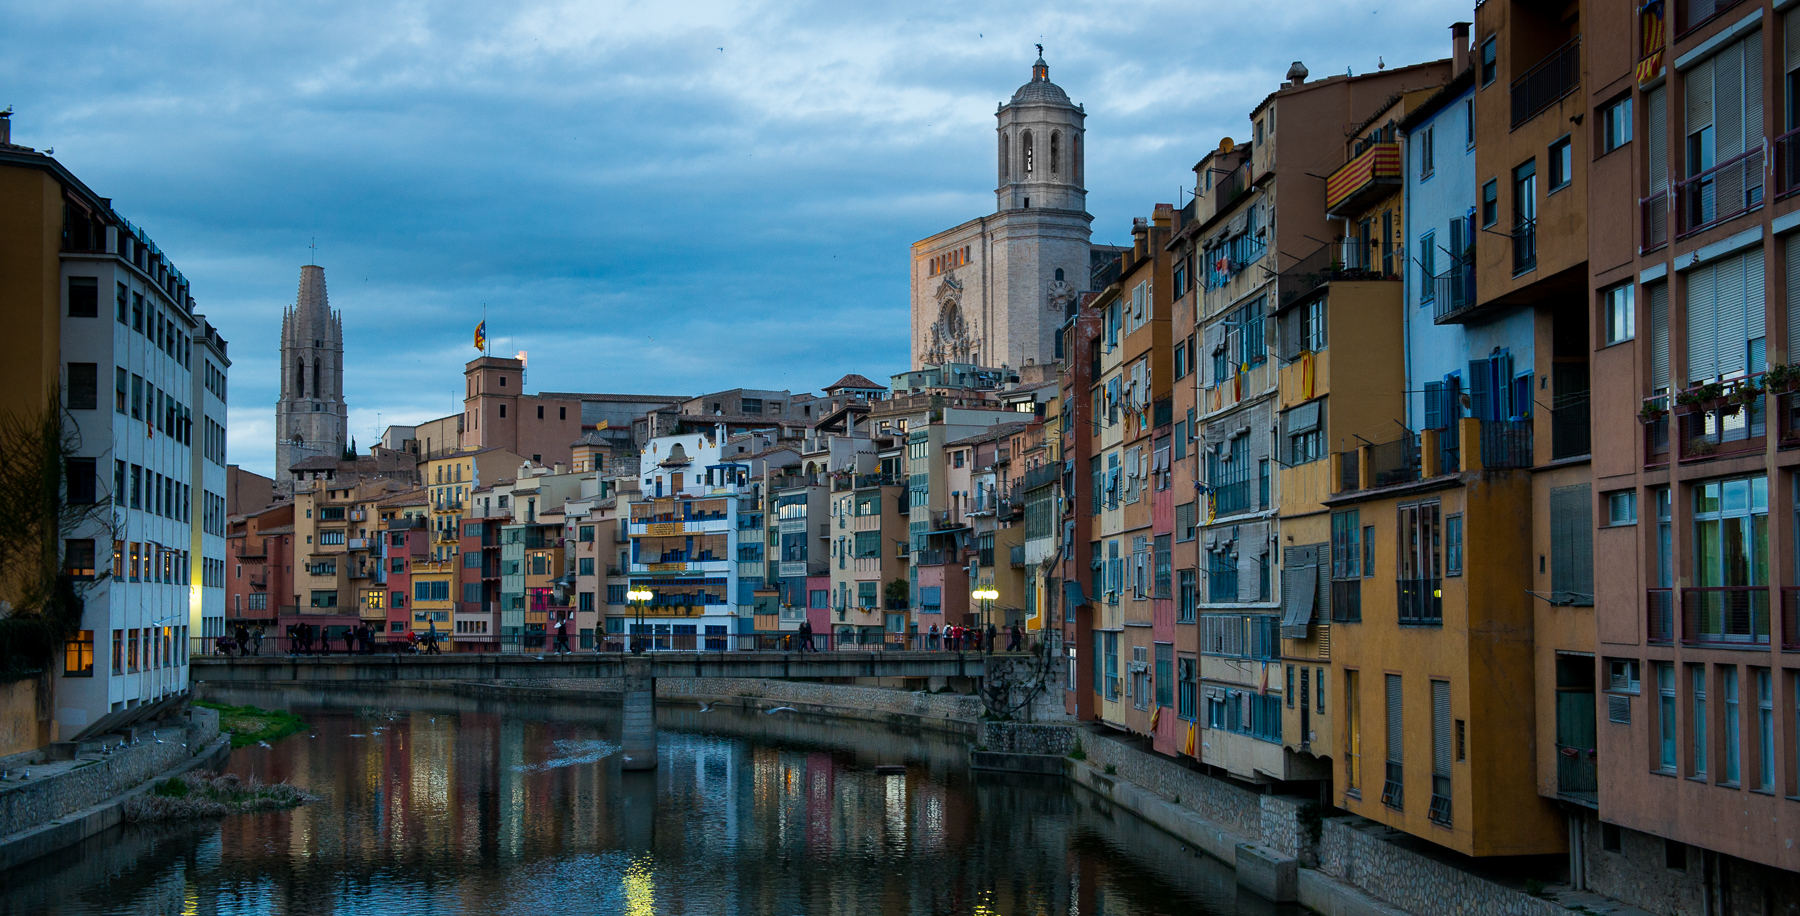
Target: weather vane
[[1040, 50]]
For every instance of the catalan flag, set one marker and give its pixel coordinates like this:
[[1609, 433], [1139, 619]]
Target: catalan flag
[[481, 335]]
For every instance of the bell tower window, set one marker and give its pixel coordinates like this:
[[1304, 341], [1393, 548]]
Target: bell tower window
[[1005, 162], [1030, 164], [1055, 152]]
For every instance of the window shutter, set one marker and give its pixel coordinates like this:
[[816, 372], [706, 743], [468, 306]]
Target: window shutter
[[1396, 734], [1728, 357], [1659, 325], [1452, 405], [1699, 83], [1702, 324], [1791, 27], [1440, 727], [1323, 577], [1753, 91], [1755, 300], [1572, 544], [1728, 105], [1434, 405], [1478, 390], [1656, 129]]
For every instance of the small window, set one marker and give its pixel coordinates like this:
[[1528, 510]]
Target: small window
[[503, 411], [1426, 152], [84, 297], [1490, 61], [1490, 202], [1621, 508], [1453, 545], [1562, 164], [1621, 313], [1469, 123], [1609, 838], [1615, 125], [78, 654], [1622, 675], [540, 411]]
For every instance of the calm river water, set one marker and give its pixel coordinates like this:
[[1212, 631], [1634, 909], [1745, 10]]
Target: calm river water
[[436, 804]]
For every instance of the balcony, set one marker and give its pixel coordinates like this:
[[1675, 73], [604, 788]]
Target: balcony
[[1394, 462], [1368, 177], [1653, 214], [1656, 432], [1787, 418], [1576, 772], [1790, 619], [1524, 239], [1787, 164], [1733, 616], [1043, 476], [1725, 191], [1719, 426], [1659, 616], [1506, 443], [1570, 427], [1018, 557], [928, 557], [359, 543], [1543, 85], [1453, 293]]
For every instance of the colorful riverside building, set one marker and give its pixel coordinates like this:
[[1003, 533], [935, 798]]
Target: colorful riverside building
[[100, 318], [1693, 283], [1242, 257], [684, 542]]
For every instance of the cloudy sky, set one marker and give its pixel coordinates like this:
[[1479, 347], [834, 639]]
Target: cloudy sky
[[668, 197]]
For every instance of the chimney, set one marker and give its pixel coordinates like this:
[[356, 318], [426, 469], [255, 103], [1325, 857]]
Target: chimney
[[1459, 47], [1140, 243], [6, 126], [1297, 73]]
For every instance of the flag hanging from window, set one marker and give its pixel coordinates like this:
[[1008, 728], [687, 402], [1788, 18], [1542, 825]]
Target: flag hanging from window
[[481, 335]]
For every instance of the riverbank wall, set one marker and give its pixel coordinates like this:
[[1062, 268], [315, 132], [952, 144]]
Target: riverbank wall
[[64, 801]]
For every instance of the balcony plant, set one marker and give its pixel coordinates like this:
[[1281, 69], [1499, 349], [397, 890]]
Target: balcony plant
[[1653, 410], [1782, 378], [1705, 397]]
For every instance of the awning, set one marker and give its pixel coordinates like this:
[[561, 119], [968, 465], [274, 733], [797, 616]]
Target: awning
[[1303, 592], [1072, 593]]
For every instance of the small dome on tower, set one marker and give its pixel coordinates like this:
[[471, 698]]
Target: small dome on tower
[[1040, 89]]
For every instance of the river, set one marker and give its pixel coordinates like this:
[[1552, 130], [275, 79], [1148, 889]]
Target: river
[[439, 804]]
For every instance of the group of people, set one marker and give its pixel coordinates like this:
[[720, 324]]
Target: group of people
[[955, 638], [242, 641]]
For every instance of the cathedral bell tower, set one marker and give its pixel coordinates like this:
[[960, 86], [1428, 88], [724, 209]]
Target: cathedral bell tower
[[1041, 147], [310, 418]]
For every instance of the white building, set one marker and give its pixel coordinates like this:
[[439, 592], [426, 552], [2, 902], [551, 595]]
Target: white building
[[153, 448], [995, 290], [684, 541]]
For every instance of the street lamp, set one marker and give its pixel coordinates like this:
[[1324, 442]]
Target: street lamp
[[639, 598], [987, 596]]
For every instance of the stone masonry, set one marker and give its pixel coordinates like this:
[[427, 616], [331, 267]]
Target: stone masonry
[[92, 780]]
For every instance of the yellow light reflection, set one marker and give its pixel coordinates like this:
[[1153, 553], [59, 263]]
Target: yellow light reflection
[[640, 888]]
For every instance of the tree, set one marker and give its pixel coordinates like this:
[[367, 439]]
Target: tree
[[40, 603], [897, 591]]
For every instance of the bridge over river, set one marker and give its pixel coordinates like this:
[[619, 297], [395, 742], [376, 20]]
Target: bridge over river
[[636, 674]]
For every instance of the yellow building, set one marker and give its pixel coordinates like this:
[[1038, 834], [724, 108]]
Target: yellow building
[[450, 479]]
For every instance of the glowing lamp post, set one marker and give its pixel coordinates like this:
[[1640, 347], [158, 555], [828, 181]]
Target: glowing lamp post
[[639, 598], [987, 597]]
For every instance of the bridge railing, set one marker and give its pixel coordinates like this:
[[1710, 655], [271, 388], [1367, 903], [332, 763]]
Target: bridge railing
[[541, 644]]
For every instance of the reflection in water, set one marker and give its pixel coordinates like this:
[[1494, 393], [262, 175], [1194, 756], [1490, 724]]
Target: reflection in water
[[456, 805]]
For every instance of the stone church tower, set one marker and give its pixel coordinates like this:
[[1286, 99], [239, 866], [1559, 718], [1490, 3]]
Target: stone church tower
[[310, 418], [994, 290]]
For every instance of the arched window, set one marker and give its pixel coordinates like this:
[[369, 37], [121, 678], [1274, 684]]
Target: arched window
[[299, 378], [1005, 162], [1025, 142], [317, 390], [1059, 273], [1055, 152]]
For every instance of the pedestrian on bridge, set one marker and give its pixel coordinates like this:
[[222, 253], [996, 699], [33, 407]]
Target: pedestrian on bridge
[[562, 636], [1013, 638], [988, 642], [932, 640]]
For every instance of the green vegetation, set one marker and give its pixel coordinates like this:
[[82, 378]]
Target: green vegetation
[[1111, 770], [250, 724], [197, 795], [1076, 753]]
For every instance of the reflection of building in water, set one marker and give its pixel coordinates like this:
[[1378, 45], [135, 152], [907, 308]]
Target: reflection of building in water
[[512, 786]]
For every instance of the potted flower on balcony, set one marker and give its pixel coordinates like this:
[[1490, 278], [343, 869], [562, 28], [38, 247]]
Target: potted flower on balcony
[[1748, 391], [1653, 410]]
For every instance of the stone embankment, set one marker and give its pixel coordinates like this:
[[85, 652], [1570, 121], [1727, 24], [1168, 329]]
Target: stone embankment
[[47, 803]]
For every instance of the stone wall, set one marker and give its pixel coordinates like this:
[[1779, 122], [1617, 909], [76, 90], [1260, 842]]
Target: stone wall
[[1356, 851], [19, 732], [1024, 738], [1232, 807], [865, 699], [89, 782]]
